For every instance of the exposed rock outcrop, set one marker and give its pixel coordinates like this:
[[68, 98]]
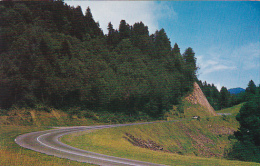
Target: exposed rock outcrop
[[198, 97], [143, 144]]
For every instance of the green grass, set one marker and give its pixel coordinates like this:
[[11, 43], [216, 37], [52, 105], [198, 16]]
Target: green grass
[[176, 137], [20, 121], [195, 110], [31, 117], [12, 154], [200, 142], [233, 110], [190, 110]]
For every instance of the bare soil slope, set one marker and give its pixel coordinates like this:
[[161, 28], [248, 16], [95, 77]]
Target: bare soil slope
[[198, 97]]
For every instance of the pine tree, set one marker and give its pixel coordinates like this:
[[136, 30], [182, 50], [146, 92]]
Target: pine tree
[[190, 60], [92, 27], [124, 30], [178, 60], [224, 97], [251, 88], [162, 43], [189, 68], [112, 36], [140, 38]]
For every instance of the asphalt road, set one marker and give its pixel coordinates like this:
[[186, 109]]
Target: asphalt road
[[48, 142], [224, 113]]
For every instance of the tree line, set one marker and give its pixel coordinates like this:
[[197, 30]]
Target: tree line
[[223, 99], [53, 54]]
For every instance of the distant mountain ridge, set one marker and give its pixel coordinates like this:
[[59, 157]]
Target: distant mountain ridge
[[236, 90]]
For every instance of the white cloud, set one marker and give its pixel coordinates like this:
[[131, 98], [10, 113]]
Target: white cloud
[[218, 67], [230, 66], [149, 12], [214, 61], [219, 58], [248, 56], [209, 66]]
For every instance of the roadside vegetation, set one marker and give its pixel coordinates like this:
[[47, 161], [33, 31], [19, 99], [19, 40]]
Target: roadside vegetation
[[232, 110], [188, 142]]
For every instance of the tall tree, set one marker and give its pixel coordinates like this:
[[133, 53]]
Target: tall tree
[[92, 27], [190, 60], [162, 43], [112, 36], [189, 68], [178, 60], [224, 97], [140, 38], [251, 88], [176, 49], [124, 30]]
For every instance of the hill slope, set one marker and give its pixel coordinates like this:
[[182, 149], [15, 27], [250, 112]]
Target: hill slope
[[198, 98], [173, 143], [58, 57]]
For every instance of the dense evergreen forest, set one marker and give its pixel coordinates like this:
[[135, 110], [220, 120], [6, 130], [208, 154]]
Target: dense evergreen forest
[[53, 54], [221, 99]]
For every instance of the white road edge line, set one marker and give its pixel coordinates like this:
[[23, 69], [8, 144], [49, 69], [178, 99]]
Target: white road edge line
[[119, 162]]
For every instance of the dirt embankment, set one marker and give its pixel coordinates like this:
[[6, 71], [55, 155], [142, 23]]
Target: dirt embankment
[[198, 97]]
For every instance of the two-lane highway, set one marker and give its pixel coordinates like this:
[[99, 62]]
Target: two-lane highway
[[48, 142]]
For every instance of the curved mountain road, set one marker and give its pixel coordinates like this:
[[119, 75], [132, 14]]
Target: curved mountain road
[[48, 142]]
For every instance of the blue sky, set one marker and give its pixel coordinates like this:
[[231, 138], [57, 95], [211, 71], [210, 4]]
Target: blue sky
[[224, 35]]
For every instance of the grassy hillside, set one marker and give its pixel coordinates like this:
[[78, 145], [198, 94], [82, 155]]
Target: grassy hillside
[[72, 117], [52, 117], [184, 143], [187, 142], [233, 110], [189, 110], [195, 110]]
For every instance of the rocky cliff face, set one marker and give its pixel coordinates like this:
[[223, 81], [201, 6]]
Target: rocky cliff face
[[198, 97]]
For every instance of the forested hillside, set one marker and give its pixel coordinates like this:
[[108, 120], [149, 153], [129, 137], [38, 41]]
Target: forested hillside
[[53, 54], [221, 99]]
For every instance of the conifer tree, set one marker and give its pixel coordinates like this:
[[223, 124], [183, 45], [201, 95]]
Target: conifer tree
[[190, 67], [112, 36], [176, 49], [162, 43], [189, 57], [178, 60], [251, 88], [140, 38], [124, 30], [224, 97]]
